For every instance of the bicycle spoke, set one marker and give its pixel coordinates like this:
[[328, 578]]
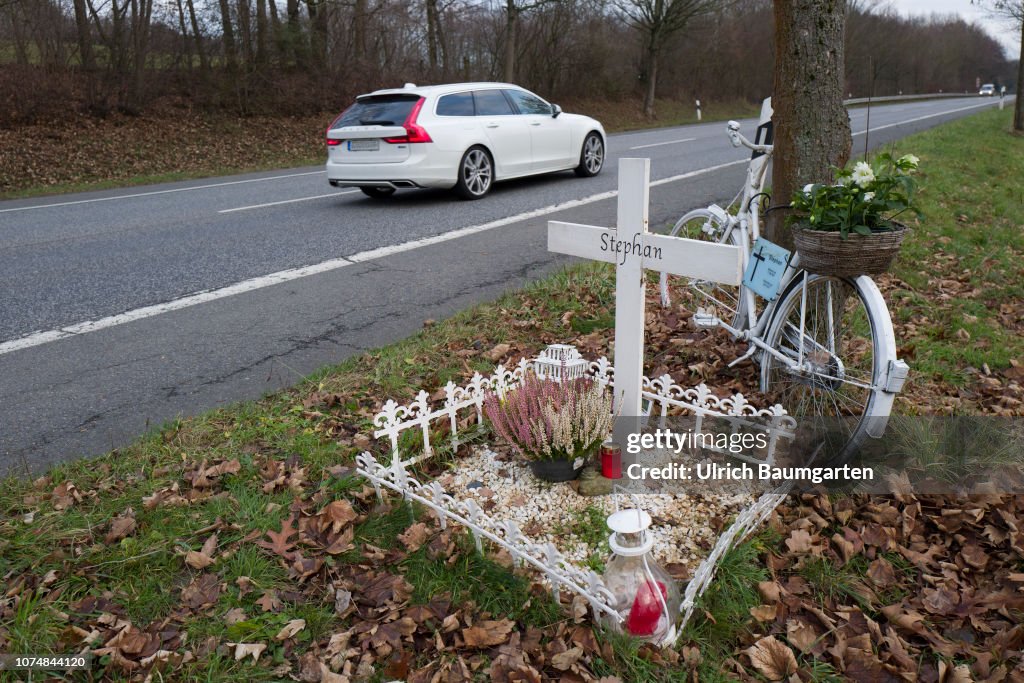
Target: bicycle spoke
[[836, 344], [724, 300]]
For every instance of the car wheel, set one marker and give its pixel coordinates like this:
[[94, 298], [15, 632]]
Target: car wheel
[[378, 192], [591, 156], [476, 174]]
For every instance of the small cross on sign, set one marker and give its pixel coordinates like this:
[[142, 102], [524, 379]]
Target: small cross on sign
[[758, 257], [632, 249]]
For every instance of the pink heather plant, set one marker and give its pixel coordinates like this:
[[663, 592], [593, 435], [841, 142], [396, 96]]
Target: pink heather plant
[[547, 420]]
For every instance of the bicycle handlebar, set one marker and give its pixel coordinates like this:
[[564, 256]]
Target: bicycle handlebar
[[738, 139]]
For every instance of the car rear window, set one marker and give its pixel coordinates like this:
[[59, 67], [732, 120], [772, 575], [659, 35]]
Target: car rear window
[[492, 103], [458, 104], [381, 110]]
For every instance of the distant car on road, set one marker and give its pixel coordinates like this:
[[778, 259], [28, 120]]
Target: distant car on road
[[988, 89], [464, 136]]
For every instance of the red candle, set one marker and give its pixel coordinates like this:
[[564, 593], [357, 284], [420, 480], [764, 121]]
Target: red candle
[[646, 611], [611, 460]]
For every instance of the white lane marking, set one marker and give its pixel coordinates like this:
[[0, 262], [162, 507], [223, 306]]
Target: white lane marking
[[922, 118], [155, 192], [668, 142], [191, 300], [286, 201], [39, 338]]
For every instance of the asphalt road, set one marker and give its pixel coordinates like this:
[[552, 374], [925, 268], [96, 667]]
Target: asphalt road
[[123, 309]]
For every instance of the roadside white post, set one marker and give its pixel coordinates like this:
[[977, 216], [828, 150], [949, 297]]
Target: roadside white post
[[632, 249], [698, 110]]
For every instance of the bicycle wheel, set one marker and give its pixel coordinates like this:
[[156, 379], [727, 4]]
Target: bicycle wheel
[[723, 300], [847, 344]]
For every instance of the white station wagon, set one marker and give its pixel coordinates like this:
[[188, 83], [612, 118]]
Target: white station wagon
[[464, 136]]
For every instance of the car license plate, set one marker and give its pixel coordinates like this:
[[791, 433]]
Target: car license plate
[[363, 145]]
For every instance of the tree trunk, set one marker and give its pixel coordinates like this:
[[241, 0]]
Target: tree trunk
[[261, 32], [18, 31], [245, 31], [84, 36], [204, 62], [280, 41], [117, 57], [228, 36], [652, 81], [511, 29], [317, 32], [432, 31], [296, 41], [360, 29], [142, 15], [186, 46], [1018, 108], [811, 126]]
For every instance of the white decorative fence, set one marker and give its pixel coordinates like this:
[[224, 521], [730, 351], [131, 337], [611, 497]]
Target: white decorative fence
[[462, 402], [542, 556]]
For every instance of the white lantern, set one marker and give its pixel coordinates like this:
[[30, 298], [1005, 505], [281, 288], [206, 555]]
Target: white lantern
[[560, 362], [646, 597]]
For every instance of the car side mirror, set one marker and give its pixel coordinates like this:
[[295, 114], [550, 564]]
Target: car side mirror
[[555, 111]]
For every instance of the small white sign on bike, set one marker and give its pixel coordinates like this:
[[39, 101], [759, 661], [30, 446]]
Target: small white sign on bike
[[767, 265], [632, 249]]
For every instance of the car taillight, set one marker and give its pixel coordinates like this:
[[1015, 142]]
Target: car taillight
[[413, 131], [330, 142]]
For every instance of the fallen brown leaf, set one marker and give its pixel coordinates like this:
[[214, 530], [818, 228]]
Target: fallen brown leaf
[[290, 629], [414, 537], [565, 660], [772, 658], [487, 633], [243, 650], [121, 526], [498, 352]]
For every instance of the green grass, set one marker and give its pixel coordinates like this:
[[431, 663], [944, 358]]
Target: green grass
[[728, 600], [838, 583], [471, 577], [971, 232], [382, 530], [589, 527]]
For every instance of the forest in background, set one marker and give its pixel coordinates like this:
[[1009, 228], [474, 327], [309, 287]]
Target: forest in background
[[296, 57]]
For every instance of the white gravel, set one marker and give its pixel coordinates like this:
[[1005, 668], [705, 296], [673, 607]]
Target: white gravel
[[685, 527]]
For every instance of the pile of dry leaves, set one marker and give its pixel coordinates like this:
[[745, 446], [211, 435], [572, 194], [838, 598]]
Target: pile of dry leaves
[[893, 589]]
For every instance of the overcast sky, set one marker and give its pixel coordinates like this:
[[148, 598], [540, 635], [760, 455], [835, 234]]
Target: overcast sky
[[1009, 38]]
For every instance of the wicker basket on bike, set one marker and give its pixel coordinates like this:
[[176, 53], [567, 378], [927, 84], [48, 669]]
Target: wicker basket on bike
[[850, 228], [829, 253]]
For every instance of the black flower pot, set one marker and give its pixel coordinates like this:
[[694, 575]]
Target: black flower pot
[[555, 470]]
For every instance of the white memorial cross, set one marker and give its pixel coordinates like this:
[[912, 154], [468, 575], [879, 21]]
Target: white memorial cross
[[632, 249]]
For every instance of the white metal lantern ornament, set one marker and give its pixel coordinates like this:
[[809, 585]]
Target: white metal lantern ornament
[[646, 597], [560, 362]]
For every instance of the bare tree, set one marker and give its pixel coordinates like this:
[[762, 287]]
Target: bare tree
[[812, 128], [658, 21], [261, 32], [228, 36], [1012, 11], [514, 9], [84, 36]]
